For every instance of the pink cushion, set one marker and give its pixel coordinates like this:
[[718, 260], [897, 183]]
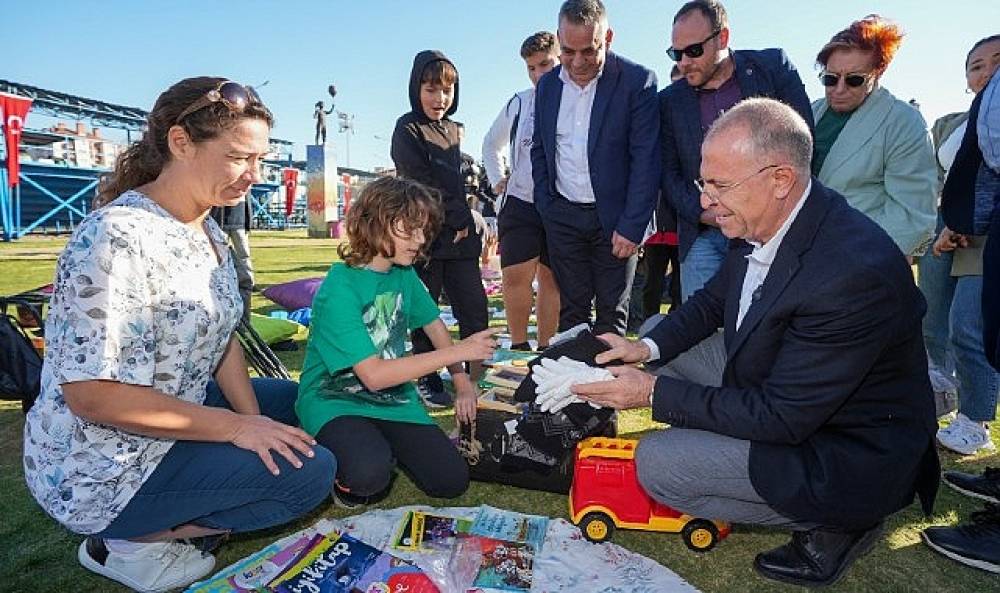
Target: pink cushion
[[295, 294]]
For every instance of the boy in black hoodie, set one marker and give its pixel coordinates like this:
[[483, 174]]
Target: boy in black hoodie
[[425, 148]]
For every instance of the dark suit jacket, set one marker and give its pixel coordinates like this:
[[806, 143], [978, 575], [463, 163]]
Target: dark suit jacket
[[623, 146], [763, 73], [827, 375]]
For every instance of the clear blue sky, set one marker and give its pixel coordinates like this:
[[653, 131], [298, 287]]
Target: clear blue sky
[[127, 52]]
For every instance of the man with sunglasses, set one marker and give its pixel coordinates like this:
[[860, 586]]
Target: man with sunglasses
[[715, 78], [818, 416], [595, 165]]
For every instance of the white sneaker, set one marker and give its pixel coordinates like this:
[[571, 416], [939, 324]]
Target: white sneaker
[[965, 436], [154, 568], [957, 422]]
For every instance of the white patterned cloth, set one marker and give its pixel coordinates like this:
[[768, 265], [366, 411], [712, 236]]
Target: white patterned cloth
[[567, 562], [140, 298]]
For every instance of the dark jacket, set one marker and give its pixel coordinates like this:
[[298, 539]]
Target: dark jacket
[[827, 375], [763, 73], [428, 151], [623, 146]]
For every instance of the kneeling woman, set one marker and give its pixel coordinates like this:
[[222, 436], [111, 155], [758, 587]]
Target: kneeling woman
[[148, 433]]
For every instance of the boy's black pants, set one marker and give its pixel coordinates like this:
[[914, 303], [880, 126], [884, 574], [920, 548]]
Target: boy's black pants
[[460, 279], [367, 451]]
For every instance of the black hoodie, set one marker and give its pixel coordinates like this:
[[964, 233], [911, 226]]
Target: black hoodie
[[428, 151]]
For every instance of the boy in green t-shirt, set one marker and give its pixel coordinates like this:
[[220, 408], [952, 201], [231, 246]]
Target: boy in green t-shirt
[[356, 394]]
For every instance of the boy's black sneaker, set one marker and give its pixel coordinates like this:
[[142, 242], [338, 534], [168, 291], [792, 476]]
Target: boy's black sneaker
[[985, 486], [432, 391], [975, 544]]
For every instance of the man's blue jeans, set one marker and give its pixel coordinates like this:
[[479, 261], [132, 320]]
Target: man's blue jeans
[[221, 486], [978, 382], [702, 261], [938, 287]]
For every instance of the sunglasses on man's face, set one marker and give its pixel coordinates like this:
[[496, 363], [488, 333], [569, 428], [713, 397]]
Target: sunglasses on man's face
[[233, 95], [695, 50], [853, 80]]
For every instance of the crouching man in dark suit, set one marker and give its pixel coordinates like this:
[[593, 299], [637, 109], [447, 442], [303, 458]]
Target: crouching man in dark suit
[[824, 419]]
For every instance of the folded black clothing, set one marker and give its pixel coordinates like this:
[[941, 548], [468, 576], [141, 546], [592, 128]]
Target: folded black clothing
[[555, 434]]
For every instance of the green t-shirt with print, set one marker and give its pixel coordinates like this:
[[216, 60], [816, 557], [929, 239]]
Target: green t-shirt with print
[[358, 313]]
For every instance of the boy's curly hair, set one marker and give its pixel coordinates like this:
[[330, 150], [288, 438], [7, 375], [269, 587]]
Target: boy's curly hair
[[873, 33], [382, 204]]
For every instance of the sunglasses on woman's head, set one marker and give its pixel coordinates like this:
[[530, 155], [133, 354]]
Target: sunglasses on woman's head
[[853, 79], [695, 50], [233, 95]]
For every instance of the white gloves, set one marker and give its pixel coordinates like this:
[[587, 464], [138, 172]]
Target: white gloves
[[554, 378]]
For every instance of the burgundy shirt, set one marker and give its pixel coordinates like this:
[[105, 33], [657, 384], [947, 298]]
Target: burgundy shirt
[[715, 102]]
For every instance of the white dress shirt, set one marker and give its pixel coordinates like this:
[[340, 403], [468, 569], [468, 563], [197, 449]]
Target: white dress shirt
[[760, 259], [497, 151], [758, 265], [572, 135]]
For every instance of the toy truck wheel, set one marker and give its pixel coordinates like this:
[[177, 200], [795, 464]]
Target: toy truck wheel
[[597, 527], [700, 535]]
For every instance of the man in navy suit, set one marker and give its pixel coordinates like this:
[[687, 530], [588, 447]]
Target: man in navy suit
[[824, 419], [595, 163], [715, 78]]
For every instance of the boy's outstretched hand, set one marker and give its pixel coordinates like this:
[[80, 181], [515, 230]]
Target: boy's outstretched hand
[[478, 346], [465, 402]]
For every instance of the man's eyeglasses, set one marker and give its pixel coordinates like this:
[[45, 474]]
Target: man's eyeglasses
[[702, 185], [695, 50], [853, 79], [233, 95]]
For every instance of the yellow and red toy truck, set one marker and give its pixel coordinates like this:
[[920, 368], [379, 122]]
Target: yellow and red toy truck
[[606, 494]]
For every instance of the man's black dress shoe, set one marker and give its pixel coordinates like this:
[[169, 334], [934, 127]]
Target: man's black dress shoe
[[816, 558]]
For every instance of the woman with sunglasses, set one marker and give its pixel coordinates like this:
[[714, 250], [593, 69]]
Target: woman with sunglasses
[[148, 435], [870, 146], [951, 278]]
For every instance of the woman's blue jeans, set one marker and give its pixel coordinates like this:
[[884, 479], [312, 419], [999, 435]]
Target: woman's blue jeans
[[224, 487]]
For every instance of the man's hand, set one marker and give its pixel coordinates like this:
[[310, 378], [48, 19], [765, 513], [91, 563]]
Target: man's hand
[[949, 240], [501, 186], [459, 235], [629, 389], [622, 247], [622, 349]]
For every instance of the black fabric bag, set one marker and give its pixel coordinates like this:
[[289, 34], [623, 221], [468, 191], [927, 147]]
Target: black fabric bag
[[534, 449], [20, 363]]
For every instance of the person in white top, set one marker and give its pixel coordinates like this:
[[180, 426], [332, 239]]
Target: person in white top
[[148, 435], [523, 253]]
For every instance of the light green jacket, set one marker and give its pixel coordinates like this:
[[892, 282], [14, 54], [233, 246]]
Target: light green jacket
[[883, 163]]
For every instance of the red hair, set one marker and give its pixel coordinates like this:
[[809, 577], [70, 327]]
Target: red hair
[[873, 33]]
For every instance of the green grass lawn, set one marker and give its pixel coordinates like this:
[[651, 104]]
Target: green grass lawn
[[38, 555]]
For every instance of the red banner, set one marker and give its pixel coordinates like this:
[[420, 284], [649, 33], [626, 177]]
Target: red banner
[[346, 179], [290, 178], [14, 110]]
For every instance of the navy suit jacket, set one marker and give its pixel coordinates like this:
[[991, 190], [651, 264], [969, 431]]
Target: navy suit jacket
[[623, 146], [826, 376], [763, 73]]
